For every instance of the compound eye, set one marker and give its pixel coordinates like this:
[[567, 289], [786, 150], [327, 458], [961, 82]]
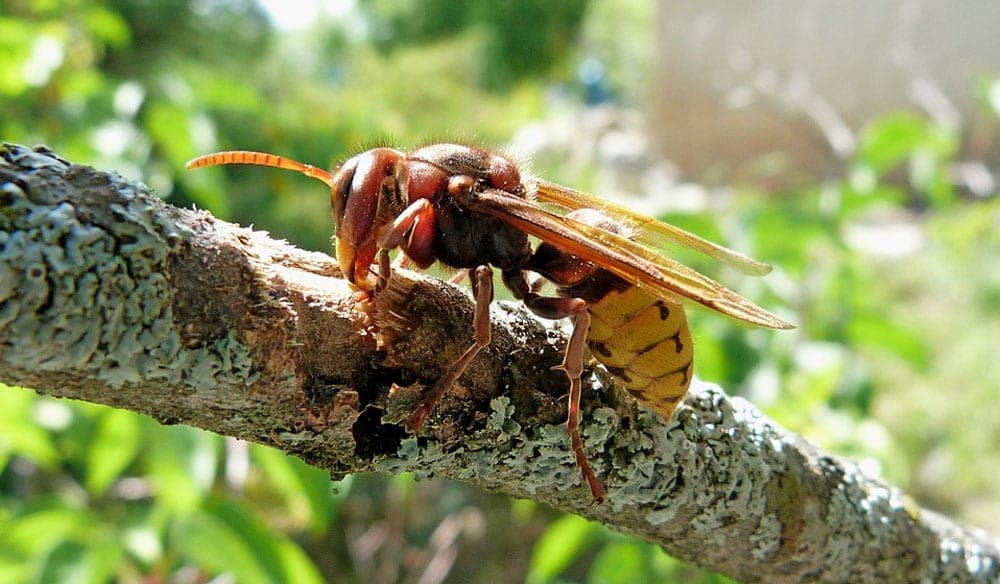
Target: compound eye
[[340, 189]]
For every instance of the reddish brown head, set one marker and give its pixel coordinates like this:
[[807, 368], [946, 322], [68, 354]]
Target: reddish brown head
[[364, 198]]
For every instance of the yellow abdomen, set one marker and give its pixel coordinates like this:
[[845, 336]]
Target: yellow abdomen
[[644, 341]]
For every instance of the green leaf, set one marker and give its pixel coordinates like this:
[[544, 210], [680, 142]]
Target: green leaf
[[19, 434], [620, 562], [14, 568], [229, 94], [929, 173], [563, 542], [212, 544], [35, 532], [183, 465], [171, 127], [108, 26], [65, 563], [303, 487], [784, 236], [258, 536], [226, 538], [112, 449], [890, 139], [907, 137], [297, 565], [72, 562], [104, 559], [16, 41], [711, 362], [877, 332], [700, 224], [863, 190]]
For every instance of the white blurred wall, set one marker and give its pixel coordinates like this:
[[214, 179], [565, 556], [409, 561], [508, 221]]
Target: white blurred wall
[[745, 88]]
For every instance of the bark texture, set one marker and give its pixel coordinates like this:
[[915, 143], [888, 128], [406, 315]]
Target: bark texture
[[109, 295]]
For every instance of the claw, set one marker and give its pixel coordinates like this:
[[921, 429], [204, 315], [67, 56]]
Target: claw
[[416, 420]]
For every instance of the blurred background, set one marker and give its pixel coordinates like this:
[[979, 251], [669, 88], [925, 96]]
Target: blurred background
[[853, 146]]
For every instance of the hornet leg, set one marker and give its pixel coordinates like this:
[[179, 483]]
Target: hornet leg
[[482, 288], [402, 230], [572, 365]]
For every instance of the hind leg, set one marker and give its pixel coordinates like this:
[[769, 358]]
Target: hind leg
[[572, 365]]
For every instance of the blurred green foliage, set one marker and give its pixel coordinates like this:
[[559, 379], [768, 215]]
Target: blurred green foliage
[[892, 351], [519, 39]]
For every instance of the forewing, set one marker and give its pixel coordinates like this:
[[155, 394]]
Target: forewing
[[647, 229], [628, 259]]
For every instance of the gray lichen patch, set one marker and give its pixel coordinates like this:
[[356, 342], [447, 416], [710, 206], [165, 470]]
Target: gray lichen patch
[[637, 459], [532, 459], [86, 287], [701, 468], [501, 419]]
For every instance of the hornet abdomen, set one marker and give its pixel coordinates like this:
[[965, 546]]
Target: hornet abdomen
[[645, 342]]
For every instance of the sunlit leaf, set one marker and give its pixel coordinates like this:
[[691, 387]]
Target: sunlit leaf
[[183, 465], [857, 197], [563, 542], [65, 563], [14, 568], [711, 363], [257, 536], [211, 543], [108, 26], [881, 333], [620, 563], [18, 432], [171, 126], [226, 538], [296, 564], [15, 48], [304, 486], [230, 94], [112, 448], [785, 236], [79, 563], [37, 531], [890, 139]]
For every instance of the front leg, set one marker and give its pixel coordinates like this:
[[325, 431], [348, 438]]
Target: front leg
[[413, 230], [482, 288]]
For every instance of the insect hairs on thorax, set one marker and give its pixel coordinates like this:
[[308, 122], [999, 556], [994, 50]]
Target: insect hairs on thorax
[[464, 238]]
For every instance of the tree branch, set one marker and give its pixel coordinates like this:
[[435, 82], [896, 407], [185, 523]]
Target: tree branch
[[111, 296]]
